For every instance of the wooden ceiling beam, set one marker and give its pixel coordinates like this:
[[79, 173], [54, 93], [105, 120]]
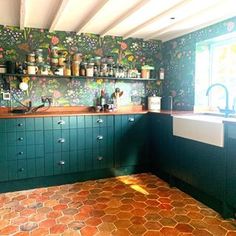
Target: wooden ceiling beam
[[22, 14], [156, 18], [58, 14], [125, 15], [90, 15]]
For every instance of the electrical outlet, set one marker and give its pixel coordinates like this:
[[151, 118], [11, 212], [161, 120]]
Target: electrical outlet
[[6, 96]]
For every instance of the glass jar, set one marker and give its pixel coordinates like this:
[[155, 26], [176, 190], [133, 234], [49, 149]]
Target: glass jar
[[97, 64], [77, 57], [54, 61], [75, 68], [61, 59], [67, 68], [31, 58], [39, 55], [90, 70], [83, 66], [54, 51]]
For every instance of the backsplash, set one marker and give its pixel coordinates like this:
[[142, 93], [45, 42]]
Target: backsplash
[[16, 43], [179, 62]]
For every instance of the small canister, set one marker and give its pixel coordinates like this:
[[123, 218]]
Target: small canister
[[75, 68], [39, 55], [154, 103], [90, 70], [3, 69], [77, 57], [31, 57], [67, 68]]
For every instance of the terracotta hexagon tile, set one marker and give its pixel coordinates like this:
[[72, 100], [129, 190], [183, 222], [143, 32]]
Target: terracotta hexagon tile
[[100, 206], [121, 232], [167, 222], [97, 213], [106, 227], [122, 224], [93, 221], [69, 232], [124, 215], [47, 223], [167, 213], [185, 228], [152, 217], [216, 230], [22, 234], [112, 210], [153, 225], [201, 232], [17, 221], [137, 229], [109, 218], [29, 226], [153, 233], [168, 231], [181, 218], [126, 207], [137, 220], [8, 230], [152, 209], [212, 220], [44, 210], [60, 207], [228, 225], [40, 232], [82, 216], [76, 225], [231, 233], [54, 214], [27, 212], [139, 212], [58, 229], [88, 231], [70, 211], [195, 215], [65, 219]]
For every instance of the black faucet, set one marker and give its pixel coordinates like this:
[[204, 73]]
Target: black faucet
[[226, 111]]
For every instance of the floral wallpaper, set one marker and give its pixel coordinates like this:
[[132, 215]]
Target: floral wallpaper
[[179, 62], [16, 43]]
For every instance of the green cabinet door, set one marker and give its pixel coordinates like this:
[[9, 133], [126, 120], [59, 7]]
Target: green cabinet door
[[200, 165], [3, 170], [130, 133], [231, 164], [161, 147]]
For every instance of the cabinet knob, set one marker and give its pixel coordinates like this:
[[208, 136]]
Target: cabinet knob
[[61, 122], [100, 158], [61, 163], [20, 124], [21, 139], [99, 137], [21, 169], [61, 140], [131, 119], [99, 121], [21, 153]]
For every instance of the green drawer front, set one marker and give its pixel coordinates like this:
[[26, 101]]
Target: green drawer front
[[102, 121], [102, 158], [3, 125], [3, 170], [61, 140], [16, 152], [60, 122], [3, 139], [61, 163], [16, 138], [13, 125]]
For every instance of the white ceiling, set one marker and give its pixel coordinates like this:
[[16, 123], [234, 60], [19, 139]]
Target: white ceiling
[[148, 19]]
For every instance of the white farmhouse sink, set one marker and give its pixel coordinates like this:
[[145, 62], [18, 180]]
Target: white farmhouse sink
[[203, 128]]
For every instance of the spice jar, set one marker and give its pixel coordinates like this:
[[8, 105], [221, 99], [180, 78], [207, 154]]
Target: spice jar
[[31, 58], [90, 70], [77, 57], [39, 55], [75, 68], [67, 68], [54, 61], [83, 66], [61, 59]]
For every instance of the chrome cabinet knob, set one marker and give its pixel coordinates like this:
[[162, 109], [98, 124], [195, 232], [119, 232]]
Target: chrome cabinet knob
[[61, 122], [99, 137], [20, 124], [21, 169], [61, 140], [62, 163], [21, 139], [21, 153], [131, 119], [100, 158], [99, 121]]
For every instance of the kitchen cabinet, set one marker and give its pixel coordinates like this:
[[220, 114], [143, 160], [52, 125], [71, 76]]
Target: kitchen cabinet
[[199, 165], [161, 145], [231, 164], [131, 140]]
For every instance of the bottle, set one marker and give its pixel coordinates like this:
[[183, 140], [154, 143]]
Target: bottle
[[102, 98]]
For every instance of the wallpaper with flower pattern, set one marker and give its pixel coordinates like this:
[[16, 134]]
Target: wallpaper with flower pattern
[[15, 44], [179, 62]]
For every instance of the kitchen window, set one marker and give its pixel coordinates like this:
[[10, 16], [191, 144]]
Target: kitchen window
[[215, 63]]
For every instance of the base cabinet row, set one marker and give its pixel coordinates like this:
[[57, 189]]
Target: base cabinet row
[[51, 146]]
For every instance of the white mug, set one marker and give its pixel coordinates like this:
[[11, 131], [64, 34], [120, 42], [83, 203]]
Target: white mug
[[32, 70]]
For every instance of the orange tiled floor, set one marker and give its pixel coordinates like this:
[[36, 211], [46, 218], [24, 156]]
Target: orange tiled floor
[[138, 204]]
